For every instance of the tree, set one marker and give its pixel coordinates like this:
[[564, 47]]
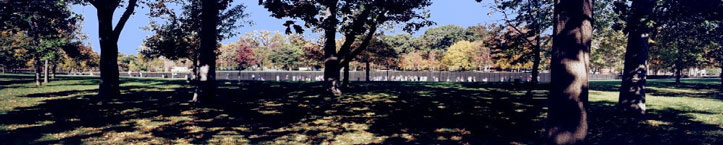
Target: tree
[[567, 114], [681, 46], [207, 57], [244, 54], [481, 56], [412, 61], [109, 42], [632, 88], [459, 56], [402, 43], [358, 17], [384, 53], [715, 48], [13, 49], [85, 59], [125, 62], [442, 37], [513, 52], [183, 36], [608, 41], [51, 25], [288, 54], [534, 17], [227, 56], [607, 45], [410, 12], [312, 55]]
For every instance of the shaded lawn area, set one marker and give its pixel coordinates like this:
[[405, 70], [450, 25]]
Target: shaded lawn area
[[156, 111]]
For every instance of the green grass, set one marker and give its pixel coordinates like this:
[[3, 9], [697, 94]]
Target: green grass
[[156, 111]]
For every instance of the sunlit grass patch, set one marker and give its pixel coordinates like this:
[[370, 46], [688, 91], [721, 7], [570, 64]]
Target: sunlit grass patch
[[689, 100], [11, 127]]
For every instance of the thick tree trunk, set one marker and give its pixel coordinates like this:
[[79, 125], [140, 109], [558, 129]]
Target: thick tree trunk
[[346, 75], [678, 75], [207, 57], [632, 88], [367, 71], [567, 116], [108, 54], [38, 72], [331, 60], [108, 86], [46, 69]]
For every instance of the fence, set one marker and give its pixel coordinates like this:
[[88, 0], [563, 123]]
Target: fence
[[416, 76]]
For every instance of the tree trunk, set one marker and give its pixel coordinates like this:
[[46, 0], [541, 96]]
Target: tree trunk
[[721, 76], [536, 50], [46, 69], [207, 57], [55, 67], [38, 71], [108, 54], [367, 71], [194, 79], [331, 60], [632, 88], [240, 68], [567, 115], [535, 69], [677, 76], [346, 75]]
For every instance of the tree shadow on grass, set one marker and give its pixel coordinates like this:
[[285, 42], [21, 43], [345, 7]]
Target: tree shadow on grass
[[295, 113]]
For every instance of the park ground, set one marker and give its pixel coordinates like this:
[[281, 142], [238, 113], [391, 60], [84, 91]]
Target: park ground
[[156, 111]]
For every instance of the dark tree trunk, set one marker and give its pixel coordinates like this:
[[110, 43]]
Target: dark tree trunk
[[331, 60], [535, 69], [367, 71], [346, 75], [108, 54], [38, 71], [632, 88], [55, 67], [678, 75], [240, 68], [46, 69], [108, 86], [195, 78], [207, 58], [567, 115]]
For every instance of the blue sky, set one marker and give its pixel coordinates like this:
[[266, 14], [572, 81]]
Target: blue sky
[[443, 12]]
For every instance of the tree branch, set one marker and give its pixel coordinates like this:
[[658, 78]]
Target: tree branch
[[124, 18], [363, 46], [514, 27], [357, 28]]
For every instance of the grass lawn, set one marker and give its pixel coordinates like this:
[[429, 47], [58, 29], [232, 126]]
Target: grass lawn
[[156, 111]]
